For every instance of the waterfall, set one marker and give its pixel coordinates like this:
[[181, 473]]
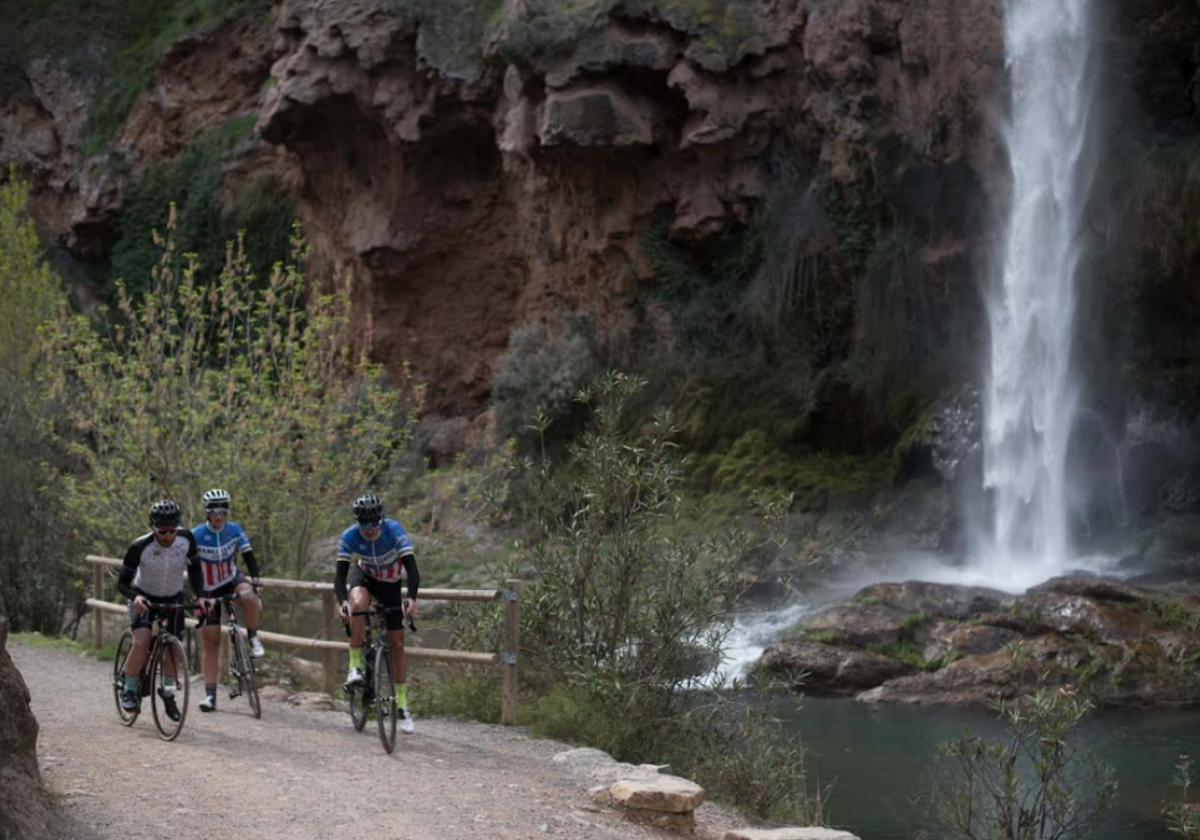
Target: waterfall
[[1031, 399]]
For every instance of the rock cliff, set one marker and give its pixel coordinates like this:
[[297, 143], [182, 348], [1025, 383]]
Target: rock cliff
[[481, 165], [25, 809]]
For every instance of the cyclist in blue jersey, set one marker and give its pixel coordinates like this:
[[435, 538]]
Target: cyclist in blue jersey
[[383, 561], [218, 541], [154, 568]]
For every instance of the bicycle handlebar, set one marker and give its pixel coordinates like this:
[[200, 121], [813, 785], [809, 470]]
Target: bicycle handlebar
[[380, 611]]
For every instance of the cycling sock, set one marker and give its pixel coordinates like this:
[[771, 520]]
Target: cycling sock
[[401, 695], [356, 658], [210, 689], [131, 682], [251, 633], [168, 685]]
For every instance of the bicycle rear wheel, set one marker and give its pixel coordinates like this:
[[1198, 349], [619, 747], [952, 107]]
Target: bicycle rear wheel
[[169, 729], [124, 646], [244, 670], [385, 698]]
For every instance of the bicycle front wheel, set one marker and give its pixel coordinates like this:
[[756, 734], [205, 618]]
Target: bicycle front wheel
[[124, 646], [244, 672], [385, 698], [171, 649]]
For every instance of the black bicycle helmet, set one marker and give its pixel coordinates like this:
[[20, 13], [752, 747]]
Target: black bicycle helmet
[[216, 499], [368, 509], [164, 514]]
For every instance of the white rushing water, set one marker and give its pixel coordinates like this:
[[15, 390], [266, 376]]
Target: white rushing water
[[1031, 399]]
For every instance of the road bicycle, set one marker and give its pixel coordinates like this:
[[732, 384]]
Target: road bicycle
[[151, 679], [378, 689], [241, 663]]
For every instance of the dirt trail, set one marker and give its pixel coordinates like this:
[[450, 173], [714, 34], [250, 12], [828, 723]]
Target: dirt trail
[[299, 773]]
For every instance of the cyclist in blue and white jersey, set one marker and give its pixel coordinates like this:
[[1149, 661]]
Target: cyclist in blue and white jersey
[[219, 540], [153, 568], [383, 560]]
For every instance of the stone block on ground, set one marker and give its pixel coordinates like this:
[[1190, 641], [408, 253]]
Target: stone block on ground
[[667, 794], [274, 694], [789, 833]]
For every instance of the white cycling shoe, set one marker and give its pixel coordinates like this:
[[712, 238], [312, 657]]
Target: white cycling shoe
[[406, 721], [354, 678], [256, 648]]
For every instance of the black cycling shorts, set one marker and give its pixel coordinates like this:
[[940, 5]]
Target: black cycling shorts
[[387, 594], [175, 618], [212, 618]]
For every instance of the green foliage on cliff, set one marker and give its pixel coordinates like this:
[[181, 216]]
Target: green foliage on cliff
[[1155, 300], [193, 183], [117, 41], [541, 373], [37, 574]]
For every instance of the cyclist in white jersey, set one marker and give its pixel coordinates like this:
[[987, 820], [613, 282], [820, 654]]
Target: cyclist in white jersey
[[154, 567]]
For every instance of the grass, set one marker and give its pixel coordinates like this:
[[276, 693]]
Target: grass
[[38, 640], [825, 637], [1173, 615]]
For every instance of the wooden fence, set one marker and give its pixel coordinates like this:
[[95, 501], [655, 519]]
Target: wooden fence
[[511, 596]]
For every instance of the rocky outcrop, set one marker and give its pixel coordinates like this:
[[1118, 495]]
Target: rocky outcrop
[[1120, 645], [479, 173], [25, 809]]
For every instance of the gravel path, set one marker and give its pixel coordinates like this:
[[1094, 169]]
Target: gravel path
[[300, 773]]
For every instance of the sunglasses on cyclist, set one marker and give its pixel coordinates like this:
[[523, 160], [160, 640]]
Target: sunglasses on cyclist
[[166, 532], [370, 526], [218, 511]]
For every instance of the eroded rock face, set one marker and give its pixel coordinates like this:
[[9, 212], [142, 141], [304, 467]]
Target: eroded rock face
[[24, 807], [1119, 644], [477, 175], [481, 173]]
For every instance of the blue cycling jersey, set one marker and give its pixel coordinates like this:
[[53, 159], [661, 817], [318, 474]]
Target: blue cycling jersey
[[378, 558], [217, 550]]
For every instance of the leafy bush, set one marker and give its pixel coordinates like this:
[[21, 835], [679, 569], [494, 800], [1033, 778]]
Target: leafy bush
[[628, 602], [1037, 786], [236, 384], [541, 372], [37, 575], [1183, 817]]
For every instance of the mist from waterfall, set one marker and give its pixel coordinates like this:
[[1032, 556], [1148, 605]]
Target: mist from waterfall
[[1031, 398]]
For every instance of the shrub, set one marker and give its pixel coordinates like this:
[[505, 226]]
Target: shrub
[[237, 383], [37, 574], [1037, 786], [542, 371], [1183, 818], [628, 602]]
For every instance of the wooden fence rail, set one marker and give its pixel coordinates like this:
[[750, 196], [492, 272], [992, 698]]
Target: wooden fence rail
[[507, 659]]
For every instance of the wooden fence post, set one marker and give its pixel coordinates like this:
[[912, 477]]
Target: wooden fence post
[[98, 615], [512, 632], [328, 657]]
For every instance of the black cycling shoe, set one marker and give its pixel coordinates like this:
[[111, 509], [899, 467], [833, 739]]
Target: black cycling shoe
[[129, 701], [169, 705]]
